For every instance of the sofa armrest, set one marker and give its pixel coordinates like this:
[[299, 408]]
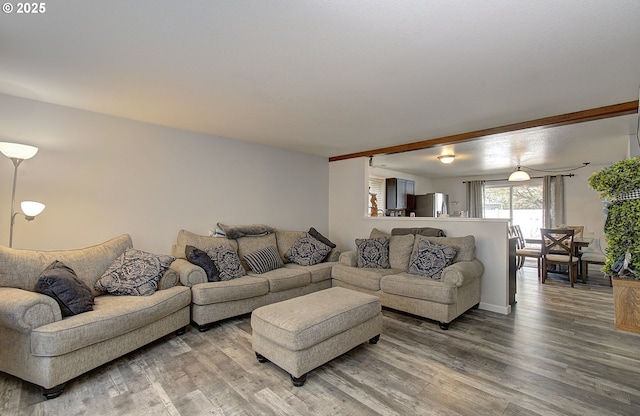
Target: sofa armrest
[[349, 258], [334, 255], [463, 271], [189, 273], [169, 279], [23, 311]]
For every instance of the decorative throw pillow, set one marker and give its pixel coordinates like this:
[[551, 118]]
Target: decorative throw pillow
[[237, 231], [429, 259], [373, 252], [134, 273], [315, 234], [307, 251], [227, 262], [60, 282], [264, 260], [202, 259]]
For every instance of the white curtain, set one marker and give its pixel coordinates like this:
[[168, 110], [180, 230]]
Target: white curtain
[[475, 198], [553, 201]]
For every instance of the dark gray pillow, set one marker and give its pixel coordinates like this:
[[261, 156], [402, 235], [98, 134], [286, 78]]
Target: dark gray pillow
[[60, 282], [315, 234], [227, 262], [373, 252], [429, 259], [237, 231], [264, 260], [135, 273], [307, 251], [200, 258]]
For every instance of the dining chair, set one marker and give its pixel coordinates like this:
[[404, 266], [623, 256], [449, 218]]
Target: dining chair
[[578, 230], [558, 249], [523, 250], [593, 254]]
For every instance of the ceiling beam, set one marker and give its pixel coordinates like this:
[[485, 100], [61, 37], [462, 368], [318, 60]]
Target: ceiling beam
[[615, 110]]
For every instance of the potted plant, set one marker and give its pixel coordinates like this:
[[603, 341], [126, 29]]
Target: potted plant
[[620, 185]]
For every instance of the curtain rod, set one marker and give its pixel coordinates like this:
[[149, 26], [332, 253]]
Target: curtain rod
[[504, 180]]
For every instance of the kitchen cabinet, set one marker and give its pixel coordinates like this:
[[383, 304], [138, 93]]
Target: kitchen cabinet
[[397, 190]]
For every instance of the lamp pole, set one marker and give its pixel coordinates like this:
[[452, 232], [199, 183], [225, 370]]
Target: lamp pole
[[16, 162]]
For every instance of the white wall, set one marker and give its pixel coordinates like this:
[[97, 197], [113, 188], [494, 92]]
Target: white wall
[[347, 205], [103, 176], [422, 184]]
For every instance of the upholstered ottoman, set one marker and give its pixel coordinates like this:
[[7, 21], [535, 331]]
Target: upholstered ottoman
[[303, 333]]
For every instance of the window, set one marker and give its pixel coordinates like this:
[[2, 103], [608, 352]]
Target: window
[[377, 187], [522, 203]]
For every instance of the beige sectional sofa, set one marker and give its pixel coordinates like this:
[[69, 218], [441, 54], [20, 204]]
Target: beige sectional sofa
[[213, 301], [41, 346], [441, 300]]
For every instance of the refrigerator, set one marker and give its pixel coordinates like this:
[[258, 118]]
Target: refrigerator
[[432, 204]]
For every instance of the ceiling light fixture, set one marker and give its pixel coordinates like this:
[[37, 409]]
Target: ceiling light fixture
[[446, 159], [519, 175]]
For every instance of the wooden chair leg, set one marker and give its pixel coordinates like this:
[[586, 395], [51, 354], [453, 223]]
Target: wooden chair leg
[[539, 270], [573, 272]]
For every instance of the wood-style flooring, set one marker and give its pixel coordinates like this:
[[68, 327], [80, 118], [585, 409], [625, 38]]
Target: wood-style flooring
[[556, 354]]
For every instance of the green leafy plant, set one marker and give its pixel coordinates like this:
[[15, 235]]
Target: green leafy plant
[[622, 227]]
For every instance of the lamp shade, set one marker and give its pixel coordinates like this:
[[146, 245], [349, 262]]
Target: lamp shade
[[18, 151], [447, 158], [519, 175], [31, 208]]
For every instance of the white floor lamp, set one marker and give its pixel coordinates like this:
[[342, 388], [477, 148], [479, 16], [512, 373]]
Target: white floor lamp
[[18, 153]]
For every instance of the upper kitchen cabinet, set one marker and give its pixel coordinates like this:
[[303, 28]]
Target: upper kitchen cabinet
[[397, 191]]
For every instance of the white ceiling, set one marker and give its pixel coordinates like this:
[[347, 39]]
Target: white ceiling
[[334, 77]]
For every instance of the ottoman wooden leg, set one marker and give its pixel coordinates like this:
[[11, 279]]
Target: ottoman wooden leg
[[375, 339], [299, 381], [261, 358]]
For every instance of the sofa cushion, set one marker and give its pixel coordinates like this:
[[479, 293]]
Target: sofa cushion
[[135, 273], [429, 259], [319, 272], [111, 316], [61, 283], [248, 245], [373, 252], [264, 260], [21, 268], [229, 290], [466, 245], [365, 278], [227, 262], [411, 286], [286, 278], [400, 248], [307, 251], [286, 240], [203, 242], [200, 258]]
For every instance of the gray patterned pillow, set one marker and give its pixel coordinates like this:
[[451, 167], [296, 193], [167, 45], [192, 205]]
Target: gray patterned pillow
[[429, 259], [135, 273], [264, 260], [307, 251], [227, 262], [373, 252]]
